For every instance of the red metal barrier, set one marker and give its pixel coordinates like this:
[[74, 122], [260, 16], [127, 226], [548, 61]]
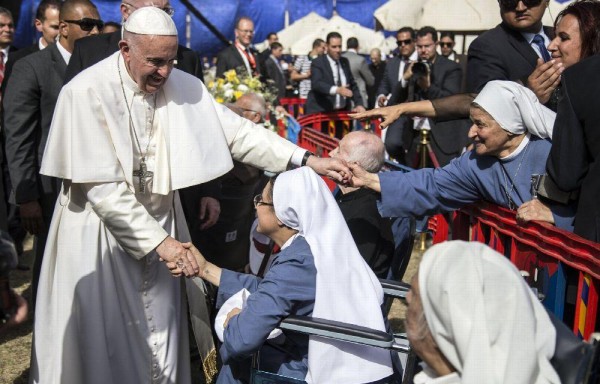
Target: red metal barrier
[[294, 105], [337, 124], [542, 250]]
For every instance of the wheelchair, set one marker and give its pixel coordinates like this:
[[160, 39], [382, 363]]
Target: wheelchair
[[575, 361]]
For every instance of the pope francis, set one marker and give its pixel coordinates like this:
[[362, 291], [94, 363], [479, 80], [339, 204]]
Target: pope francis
[[126, 135]]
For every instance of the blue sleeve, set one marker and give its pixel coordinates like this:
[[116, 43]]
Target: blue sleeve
[[564, 215], [287, 285], [233, 282], [429, 191]]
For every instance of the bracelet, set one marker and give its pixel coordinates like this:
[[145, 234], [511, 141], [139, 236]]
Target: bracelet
[[307, 154]]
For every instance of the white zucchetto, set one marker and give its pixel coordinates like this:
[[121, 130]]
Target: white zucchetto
[[150, 21], [516, 108]]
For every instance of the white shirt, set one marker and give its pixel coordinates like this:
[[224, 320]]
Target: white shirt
[[66, 55], [343, 81], [5, 51]]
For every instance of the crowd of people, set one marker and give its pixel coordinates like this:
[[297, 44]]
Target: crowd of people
[[141, 191]]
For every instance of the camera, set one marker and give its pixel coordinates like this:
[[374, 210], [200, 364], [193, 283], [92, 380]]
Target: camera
[[420, 69]]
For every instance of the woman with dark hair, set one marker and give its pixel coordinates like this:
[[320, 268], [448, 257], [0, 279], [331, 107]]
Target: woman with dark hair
[[573, 163]]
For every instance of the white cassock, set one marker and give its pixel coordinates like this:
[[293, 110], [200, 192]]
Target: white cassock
[[108, 311]]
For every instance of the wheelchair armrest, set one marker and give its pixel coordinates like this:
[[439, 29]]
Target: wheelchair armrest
[[394, 288], [337, 330]]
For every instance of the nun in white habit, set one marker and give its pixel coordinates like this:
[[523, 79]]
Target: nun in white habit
[[511, 140], [319, 272], [472, 319]]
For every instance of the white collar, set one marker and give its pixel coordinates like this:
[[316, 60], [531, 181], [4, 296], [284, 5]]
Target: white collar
[[529, 36], [5, 50], [519, 149], [289, 241], [128, 82], [66, 55], [331, 61], [352, 50], [41, 44]]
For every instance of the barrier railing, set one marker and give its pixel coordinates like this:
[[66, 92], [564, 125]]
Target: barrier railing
[[337, 124], [556, 260], [294, 105]]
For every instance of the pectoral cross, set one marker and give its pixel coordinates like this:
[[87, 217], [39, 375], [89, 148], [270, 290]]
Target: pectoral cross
[[143, 174]]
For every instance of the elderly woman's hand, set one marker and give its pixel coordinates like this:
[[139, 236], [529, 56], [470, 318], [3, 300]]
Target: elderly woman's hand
[[364, 179], [534, 210], [233, 312], [387, 114]]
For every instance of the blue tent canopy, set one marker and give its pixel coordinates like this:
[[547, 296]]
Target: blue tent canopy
[[268, 16]]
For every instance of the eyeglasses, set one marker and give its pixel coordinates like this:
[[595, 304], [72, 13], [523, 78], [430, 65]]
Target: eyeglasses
[[511, 5], [248, 110], [404, 42], [446, 45], [87, 24], [168, 10], [258, 201], [247, 31]]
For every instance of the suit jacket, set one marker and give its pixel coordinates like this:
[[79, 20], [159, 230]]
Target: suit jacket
[[378, 73], [574, 161], [361, 73], [500, 54], [319, 99], [31, 95], [389, 83], [273, 73], [462, 61], [13, 57], [449, 137], [93, 49], [231, 58]]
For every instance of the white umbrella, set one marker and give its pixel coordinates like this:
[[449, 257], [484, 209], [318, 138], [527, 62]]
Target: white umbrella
[[290, 35], [449, 15], [367, 38], [396, 14]]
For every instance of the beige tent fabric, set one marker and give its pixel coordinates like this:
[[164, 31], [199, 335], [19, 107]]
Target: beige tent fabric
[[449, 15]]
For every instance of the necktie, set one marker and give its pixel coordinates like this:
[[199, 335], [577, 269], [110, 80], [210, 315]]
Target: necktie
[[251, 60], [339, 76], [539, 41]]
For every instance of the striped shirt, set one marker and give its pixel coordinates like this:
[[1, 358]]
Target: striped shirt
[[302, 65]]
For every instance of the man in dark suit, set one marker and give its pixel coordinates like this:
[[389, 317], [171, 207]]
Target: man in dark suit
[[46, 23], [574, 163], [510, 50], [7, 33], [274, 71], [447, 44], [239, 55], [377, 68], [432, 78], [393, 89], [90, 51], [333, 87], [264, 55], [31, 95]]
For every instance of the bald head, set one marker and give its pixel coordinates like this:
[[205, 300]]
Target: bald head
[[362, 147], [253, 106], [128, 7]]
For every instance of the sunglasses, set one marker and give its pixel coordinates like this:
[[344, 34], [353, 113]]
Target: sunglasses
[[510, 5], [446, 45], [404, 42], [87, 24]]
